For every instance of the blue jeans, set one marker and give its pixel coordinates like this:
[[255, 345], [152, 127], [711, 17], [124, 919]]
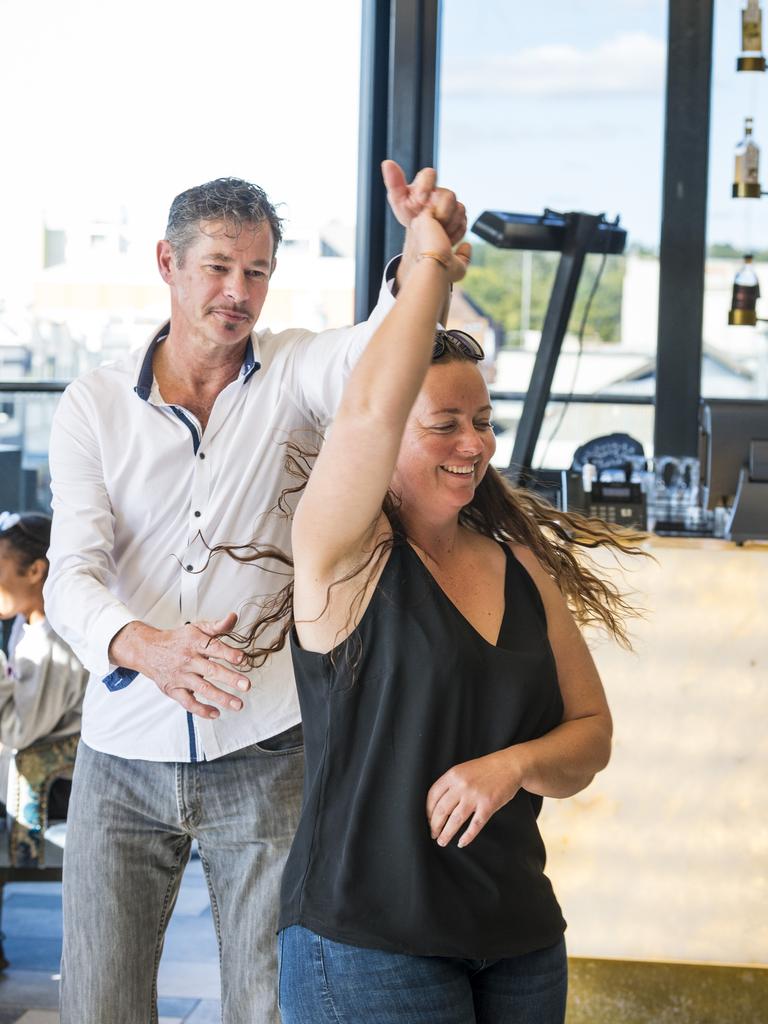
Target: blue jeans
[[326, 982], [129, 831]]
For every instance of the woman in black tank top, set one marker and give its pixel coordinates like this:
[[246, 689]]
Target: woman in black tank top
[[445, 689]]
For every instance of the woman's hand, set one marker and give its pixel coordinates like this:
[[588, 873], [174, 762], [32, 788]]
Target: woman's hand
[[428, 239], [473, 790]]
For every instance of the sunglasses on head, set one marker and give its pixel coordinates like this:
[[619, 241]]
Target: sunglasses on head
[[446, 340]]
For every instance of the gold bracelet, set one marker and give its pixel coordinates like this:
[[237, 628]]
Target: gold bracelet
[[433, 256]]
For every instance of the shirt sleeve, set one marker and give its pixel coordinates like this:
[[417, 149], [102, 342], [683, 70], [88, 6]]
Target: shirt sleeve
[[78, 601], [324, 361]]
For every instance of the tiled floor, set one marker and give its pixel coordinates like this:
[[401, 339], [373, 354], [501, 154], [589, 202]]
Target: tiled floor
[[189, 971]]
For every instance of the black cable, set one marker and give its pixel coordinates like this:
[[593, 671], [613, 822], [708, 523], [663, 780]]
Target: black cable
[[580, 338]]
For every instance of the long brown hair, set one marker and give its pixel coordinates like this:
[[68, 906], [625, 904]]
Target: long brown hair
[[498, 510]]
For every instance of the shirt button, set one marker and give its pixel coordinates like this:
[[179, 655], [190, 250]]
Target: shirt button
[[197, 515], [188, 568]]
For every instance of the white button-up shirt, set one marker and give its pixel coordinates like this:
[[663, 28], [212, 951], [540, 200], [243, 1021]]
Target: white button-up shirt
[[141, 494]]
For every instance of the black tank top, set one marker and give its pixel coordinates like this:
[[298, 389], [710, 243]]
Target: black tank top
[[426, 693]]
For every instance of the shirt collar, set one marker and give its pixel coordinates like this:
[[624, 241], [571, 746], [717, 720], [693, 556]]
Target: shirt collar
[[145, 379], [252, 359]]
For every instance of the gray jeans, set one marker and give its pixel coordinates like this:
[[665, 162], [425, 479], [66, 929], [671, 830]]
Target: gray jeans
[[129, 831]]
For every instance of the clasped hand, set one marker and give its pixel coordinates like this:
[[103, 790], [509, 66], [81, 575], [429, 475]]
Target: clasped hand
[[472, 791], [408, 200], [415, 202], [189, 664]]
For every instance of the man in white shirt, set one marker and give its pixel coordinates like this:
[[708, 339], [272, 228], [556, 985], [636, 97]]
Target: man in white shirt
[[153, 463]]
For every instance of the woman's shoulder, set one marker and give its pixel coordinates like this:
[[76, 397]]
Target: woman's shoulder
[[542, 579], [526, 558]]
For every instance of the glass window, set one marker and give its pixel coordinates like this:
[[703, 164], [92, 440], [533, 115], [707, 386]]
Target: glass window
[[118, 109], [25, 425], [566, 426], [735, 358], [559, 105]]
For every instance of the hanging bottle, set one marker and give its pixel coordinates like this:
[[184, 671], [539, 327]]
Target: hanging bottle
[[752, 27], [746, 171], [746, 292], [751, 38]]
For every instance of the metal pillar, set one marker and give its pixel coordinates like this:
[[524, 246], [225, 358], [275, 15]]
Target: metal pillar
[[579, 234], [683, 227], [398, 103]]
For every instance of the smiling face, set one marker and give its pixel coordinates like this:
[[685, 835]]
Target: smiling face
[[219, 286], [448, 442]]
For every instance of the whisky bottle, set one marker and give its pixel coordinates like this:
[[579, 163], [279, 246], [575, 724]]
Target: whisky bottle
[[752, 27], [746, 171]]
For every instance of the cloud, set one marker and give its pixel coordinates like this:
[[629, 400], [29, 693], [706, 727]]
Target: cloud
[[632, 63]]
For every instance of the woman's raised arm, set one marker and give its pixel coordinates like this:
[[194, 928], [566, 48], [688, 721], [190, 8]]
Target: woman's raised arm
[[342, 500]]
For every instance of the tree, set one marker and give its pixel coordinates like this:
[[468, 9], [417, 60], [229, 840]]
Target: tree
[[495, 282]]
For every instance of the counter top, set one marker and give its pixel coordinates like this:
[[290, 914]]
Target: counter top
[[665, 855]]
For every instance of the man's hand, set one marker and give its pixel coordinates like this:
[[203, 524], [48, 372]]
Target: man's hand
[[473, 790], [185, 663], [407, 201]]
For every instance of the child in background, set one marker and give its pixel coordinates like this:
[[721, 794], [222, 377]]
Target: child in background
[[41, 682]]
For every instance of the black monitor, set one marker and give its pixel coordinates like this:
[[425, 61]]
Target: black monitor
[[546, 232], [728, 428], [729, 431], [10, 478]]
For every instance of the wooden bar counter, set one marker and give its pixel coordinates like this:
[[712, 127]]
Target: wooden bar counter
[[665, 856]]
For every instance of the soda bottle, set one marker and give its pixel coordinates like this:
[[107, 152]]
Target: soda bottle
[[746, 287]]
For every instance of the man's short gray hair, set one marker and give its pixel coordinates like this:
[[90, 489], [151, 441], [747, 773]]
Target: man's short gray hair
[[233, 200]]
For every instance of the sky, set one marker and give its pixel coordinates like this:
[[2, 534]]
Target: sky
[[110, 106], [560, 103], [151, 97], [557, 103]]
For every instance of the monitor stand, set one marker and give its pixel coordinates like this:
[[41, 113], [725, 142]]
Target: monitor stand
[[749, 514]]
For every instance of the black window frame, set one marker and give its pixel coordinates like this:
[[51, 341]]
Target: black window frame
[[398, 117]]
